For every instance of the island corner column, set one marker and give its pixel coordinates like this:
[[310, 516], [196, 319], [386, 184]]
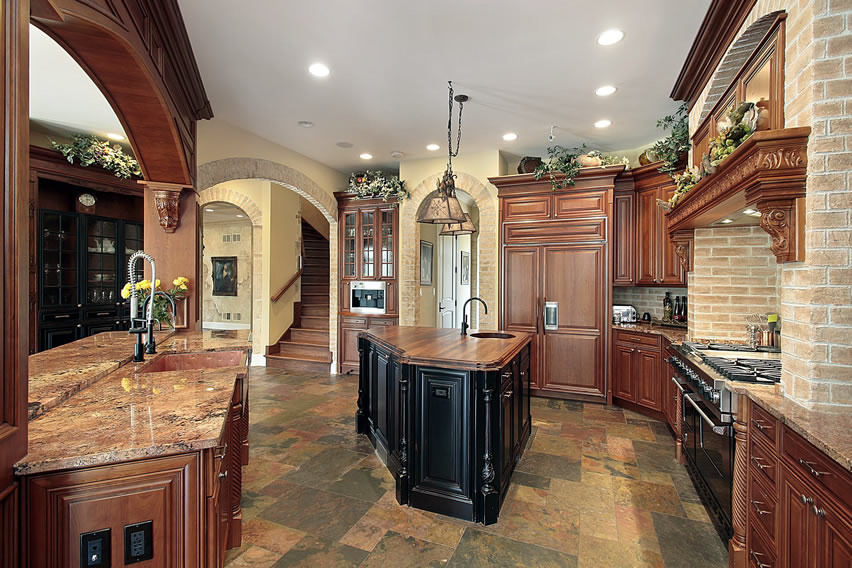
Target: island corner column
[[490, 495]]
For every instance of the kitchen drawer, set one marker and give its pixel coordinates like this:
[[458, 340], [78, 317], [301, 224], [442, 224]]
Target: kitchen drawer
[[582, 204], [533, 207], [59, 317], [815, 465], [761, 554], [97, 313], [382, 321], [353, 322], [762, 506], [561, 231], [634, 338], [763, 461], [763, 424]]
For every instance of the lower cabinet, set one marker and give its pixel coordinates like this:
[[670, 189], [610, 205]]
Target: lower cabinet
[[191, 500], [350, 326], [636, 367]]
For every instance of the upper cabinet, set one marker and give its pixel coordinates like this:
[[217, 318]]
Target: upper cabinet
[[369, 239]]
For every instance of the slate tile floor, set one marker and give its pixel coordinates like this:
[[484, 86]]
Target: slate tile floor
[[597, 487]]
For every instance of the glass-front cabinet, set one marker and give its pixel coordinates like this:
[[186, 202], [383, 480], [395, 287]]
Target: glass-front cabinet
[[82, 268]]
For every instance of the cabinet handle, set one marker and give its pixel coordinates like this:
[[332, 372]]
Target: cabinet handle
[[758, 424], [758, 510], [220, 451], [757, 461], [811, 470], [508, 394], [62, 316], [807, 500], [223, 475], [818, 511], [757, 561], [640, 351], [507, 375]]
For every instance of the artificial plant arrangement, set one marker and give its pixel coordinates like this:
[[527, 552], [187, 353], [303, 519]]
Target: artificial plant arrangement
[[89, 149], [672, 148], [610, 160], [178, 291], [377, 185], [560, 160]]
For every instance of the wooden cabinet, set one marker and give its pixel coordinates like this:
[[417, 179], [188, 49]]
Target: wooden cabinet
[[624, 239], [636, 368], [368, 245], [669, 389], [556, 248]]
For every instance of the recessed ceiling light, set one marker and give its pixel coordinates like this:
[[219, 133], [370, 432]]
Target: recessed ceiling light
[[433, 147], [605, 91], [752, 212], [210, 210], [305, 124], [509, 136], [397, 154], [240, 215], [366, 156], [344, 144], [603, 123], [726, 221], [114, 136], [318, 70], [610, 37]]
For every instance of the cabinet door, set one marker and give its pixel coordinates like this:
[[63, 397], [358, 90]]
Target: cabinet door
[[834, 535], [521, 288], [671, 270], [522, 401], [349, 344], [349, 257], [507, 429], [646, 237], [669, 392], [797, 529], [624, 240], [367, 244], [574, 276], [648, 387], [54, 337], [623, 373]]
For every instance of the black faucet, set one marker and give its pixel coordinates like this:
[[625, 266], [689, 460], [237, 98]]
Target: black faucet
[[464, 325]]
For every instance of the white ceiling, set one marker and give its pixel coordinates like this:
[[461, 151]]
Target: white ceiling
[[63, 98], [525, 65], [220, 212]]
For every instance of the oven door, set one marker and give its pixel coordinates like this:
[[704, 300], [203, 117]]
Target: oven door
[[711, 451]]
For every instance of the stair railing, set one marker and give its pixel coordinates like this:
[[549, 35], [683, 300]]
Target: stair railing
[[277, 296]]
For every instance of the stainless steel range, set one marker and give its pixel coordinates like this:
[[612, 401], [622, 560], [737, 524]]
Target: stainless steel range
[[708, 412]]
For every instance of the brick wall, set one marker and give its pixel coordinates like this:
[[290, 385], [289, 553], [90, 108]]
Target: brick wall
[[734, 274], [646, 299]]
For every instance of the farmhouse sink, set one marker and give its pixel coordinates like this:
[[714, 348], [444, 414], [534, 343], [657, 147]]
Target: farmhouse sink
[[492, 335], [191, 361]]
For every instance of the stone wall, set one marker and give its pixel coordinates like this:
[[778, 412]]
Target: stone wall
[[238, 307]]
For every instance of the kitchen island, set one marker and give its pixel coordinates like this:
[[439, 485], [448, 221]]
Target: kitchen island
[[448, 414]]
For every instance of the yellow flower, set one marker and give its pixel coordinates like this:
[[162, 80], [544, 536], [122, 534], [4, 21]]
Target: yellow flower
[[157, 285], [180, 281], [182, 287], [125, 292], [143, 285]]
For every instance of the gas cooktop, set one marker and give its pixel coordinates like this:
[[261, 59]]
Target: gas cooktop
[[740, 362]]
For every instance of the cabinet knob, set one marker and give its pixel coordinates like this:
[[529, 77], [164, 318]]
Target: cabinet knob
[[223, 475], [79, 325], [807, 500], [79, 305], [819, 511]]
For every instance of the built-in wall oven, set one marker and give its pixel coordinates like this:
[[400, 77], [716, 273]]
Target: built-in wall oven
[[368, 296]]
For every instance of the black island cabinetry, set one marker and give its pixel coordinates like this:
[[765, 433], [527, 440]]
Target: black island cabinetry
[[451, 425]]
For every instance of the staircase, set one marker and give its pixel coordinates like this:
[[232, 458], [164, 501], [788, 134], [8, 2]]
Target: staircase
[[304, 347]]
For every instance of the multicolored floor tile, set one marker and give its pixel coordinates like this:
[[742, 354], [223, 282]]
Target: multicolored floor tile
[[597, 486]]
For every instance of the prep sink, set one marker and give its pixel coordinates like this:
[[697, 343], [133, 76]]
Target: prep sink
[[491, 335], [190, 361]]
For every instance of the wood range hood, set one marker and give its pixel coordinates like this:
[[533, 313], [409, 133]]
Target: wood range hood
[[767, 173]]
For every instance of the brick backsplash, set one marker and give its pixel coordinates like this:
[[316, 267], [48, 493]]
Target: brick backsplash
[[646, 299]]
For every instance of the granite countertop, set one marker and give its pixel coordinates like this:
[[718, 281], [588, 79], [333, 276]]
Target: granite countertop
[[128, 414], [673, 334], [447, 348]]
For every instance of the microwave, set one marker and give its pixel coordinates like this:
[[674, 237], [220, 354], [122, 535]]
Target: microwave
[[368, 297]]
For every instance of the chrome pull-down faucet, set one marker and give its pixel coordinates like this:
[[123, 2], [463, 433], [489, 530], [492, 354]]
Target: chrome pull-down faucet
[[147, 322], [464, 325]]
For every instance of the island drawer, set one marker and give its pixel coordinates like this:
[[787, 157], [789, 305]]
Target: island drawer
[[762, 506], [763, 424], [763, 461]]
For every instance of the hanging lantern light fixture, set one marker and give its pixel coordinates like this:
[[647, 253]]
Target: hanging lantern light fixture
[[444, 208], [455, 229]]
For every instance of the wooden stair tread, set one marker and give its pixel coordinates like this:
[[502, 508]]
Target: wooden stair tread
[[307, 358]]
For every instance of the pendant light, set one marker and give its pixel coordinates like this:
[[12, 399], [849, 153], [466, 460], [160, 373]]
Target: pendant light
[[464, 228], [444, 208]]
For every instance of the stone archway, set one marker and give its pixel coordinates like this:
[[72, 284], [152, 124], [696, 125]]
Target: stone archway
[[217, 172], [488, 243]]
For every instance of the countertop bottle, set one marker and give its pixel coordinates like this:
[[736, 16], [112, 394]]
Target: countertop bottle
[[667, 307]]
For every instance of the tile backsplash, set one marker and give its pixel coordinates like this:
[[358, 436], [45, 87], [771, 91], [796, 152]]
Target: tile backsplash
[[646, 299]]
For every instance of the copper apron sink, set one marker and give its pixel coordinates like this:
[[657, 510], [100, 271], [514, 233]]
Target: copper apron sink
[[190, 361]]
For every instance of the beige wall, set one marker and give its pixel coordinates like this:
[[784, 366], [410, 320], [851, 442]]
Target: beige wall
[[284, 237], [314, 217], [816, 295], [213, 307]]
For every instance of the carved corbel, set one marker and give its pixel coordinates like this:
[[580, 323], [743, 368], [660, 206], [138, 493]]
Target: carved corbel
[[682, 241], [167, 202], [781, 219]]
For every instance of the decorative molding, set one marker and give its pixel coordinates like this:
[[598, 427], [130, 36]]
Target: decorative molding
[[167, 202], [683, 241], [769, 172]]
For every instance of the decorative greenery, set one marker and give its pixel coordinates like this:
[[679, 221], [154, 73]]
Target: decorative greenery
[[178, 291], [373, 185], [90, 150], [560, 161], [671, 148], [610, 160]]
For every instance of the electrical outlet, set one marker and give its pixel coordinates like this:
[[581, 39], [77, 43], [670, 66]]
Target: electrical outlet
[[138, 542], [95, 549]]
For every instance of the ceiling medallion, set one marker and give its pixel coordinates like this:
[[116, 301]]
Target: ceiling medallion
[[444, 208]]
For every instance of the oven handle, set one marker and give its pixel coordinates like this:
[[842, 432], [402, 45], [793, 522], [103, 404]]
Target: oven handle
[[721, 430], [683, 393]]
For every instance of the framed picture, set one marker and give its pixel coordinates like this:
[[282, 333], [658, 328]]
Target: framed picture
[[426, 263], [224, 275], [464, 274]]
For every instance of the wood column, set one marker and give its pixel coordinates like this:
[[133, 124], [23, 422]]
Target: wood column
[[173, 238], [737, 555], [14, 29]]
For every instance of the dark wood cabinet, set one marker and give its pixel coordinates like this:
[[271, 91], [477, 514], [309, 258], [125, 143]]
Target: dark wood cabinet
[[350, 326], [624, 239], [646, 237], [556, 249], [667, 372], [636, 368], [648, 379]]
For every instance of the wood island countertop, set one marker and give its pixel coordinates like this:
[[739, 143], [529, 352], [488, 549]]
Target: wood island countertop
[[117, 412], [447, 348]]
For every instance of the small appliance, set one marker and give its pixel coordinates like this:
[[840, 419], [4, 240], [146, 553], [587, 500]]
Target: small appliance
[[628, 314], [367, 297]]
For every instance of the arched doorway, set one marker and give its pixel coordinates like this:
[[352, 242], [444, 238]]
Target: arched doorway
[[212, 176], [486, 241]]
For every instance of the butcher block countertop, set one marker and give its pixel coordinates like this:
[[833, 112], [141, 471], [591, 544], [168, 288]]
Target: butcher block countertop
[[447, 348], [127, 413]]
